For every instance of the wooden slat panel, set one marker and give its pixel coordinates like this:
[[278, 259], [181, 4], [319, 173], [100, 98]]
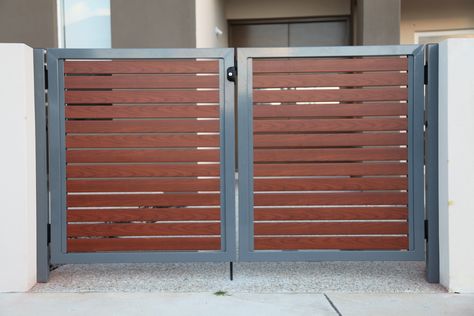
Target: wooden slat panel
[[142, 126], [144, 141], [331, 213], [331, 228], [348, 243], [335, 154], [169, 199], [143, 214], [331, 169], [330, 184], [140, 96], [140, 66], [330, 80], [329, 140], [130, 170], [141, 82], [328, 110], [142, 244], [340, 198], [162, 229], [142, 111], [329, 64], [143, 155], [330, 125], [143, 185]]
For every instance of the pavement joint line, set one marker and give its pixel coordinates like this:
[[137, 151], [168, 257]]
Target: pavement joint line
[[332, 305]]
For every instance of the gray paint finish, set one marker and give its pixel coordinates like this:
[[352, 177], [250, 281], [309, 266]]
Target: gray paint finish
[[153, 24]]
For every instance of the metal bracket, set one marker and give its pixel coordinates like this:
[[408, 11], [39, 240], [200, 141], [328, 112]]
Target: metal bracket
[[426, 229], [231, 73]]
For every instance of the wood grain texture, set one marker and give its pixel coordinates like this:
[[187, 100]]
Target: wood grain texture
[[142, 111], [330, 80], [142, 126], [331, 228], [168, 199], [140, 81], [341, 243], [331, 213], [140, 66], [329, 64], [161, 229], [143, 214], [143, 244]]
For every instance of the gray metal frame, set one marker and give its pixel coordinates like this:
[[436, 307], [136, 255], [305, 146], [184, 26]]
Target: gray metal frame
[[57, 163], [431, 162], [415, 153]]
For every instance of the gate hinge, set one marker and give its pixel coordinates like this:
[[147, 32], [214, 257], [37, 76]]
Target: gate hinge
[[426, 229], [231, 73], [425, 74]]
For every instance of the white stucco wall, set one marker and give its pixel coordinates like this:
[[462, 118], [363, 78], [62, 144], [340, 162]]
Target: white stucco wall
[[209, 15], [18, 181], [456, 162]]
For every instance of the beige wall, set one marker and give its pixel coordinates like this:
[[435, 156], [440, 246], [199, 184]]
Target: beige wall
[[209, 15], [434, 15], [266, 9]]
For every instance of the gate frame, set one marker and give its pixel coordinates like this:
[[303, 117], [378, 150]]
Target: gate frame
[[416, 249], [57, 162]]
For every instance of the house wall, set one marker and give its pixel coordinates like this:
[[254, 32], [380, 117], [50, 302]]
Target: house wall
[[209, 15]]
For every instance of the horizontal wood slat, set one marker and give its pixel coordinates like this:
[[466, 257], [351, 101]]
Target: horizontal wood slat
[[329, 64], [144, 214], [330, 184], [342, 243], [330, 80], [340, 198], [143, 185], [328, 110], [142, 111], [162, 229], [143, 141], [330, 125], [140, 66], [329, 140], [331, 213], [331, 228], [331, 169], [169, 199], [142, 126], [143, 244], [143, 155], [141, 82], [140, 96], [130, 170], [334, 154]]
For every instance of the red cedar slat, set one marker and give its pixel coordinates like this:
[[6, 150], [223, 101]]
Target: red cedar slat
[[144, 214], [141, 82], [142, 126], [328, 110], [330, 125], [140, 96], [161, 229], [140, 66], [340, 198], [342, 243], [143, 244], [130, 170], [143, 141], [143, 155], [334, 154], [143, 185], [142, 111], [330, 184], [331, 213], [329, 64], [331, 228], [330, 80], [329, 140], [169, 199]]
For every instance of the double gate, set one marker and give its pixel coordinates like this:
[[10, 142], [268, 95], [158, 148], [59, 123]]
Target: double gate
[[142, 153]]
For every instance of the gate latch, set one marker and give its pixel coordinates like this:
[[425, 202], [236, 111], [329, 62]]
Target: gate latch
[[231, 73]]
